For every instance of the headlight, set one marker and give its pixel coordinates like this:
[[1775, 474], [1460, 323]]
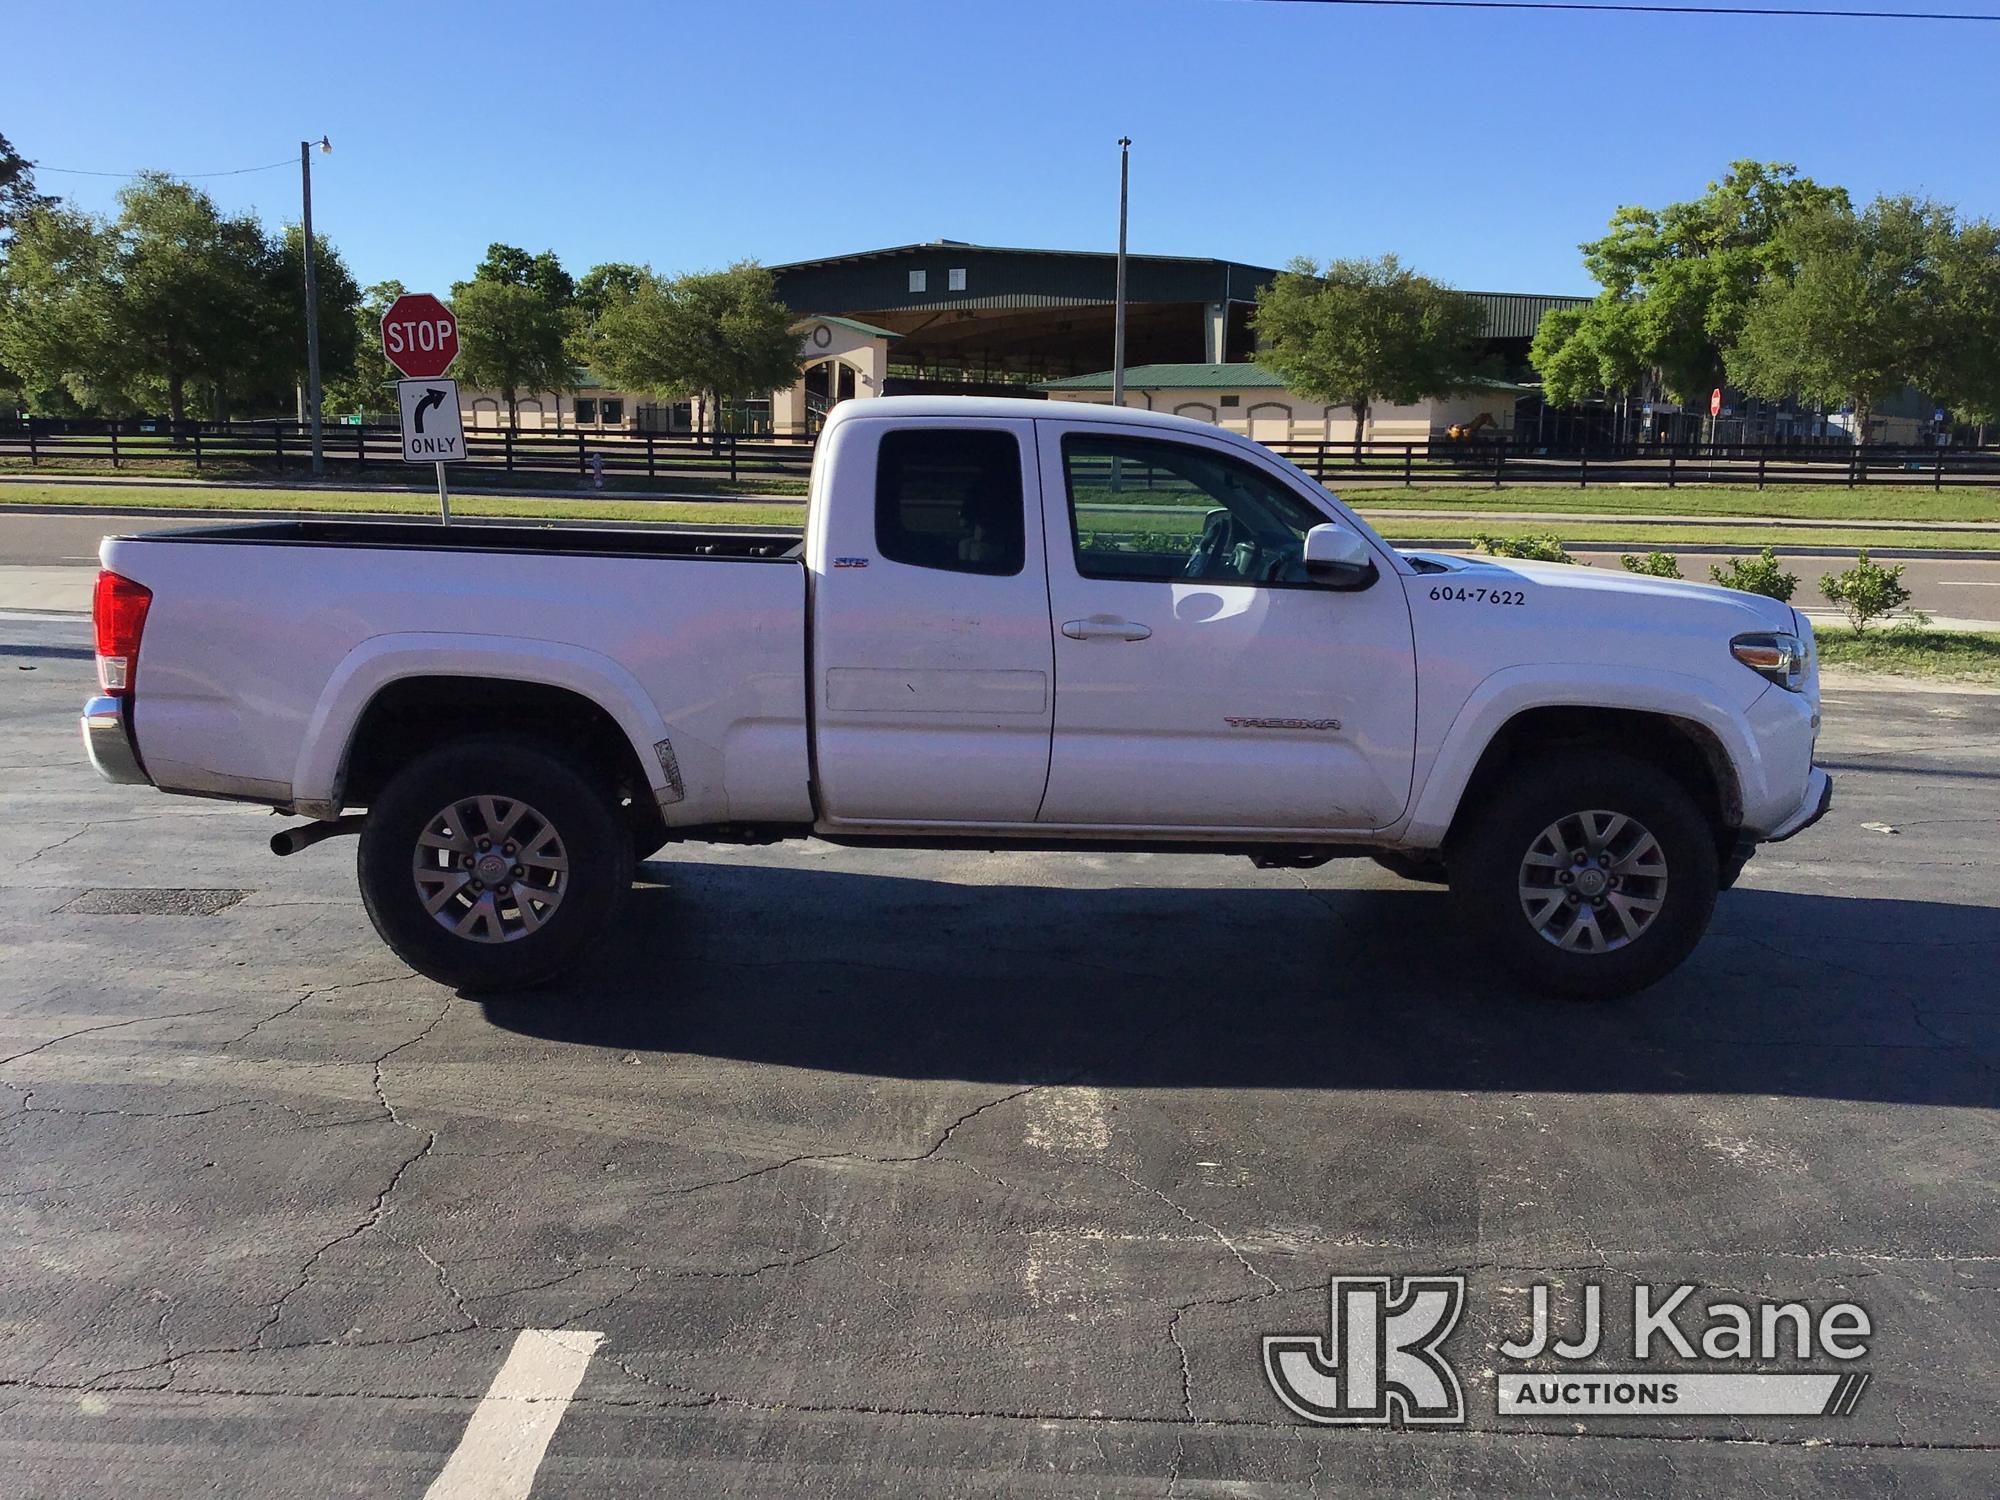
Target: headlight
[[1779, 657]]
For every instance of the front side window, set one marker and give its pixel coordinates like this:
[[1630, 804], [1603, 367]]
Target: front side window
[[955, 279], [613, 412], [918, 279], [1154, 511], [586, 409], [951, 499]]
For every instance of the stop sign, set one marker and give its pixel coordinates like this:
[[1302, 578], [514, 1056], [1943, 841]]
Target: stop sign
[[1715, 402], [419, 335]]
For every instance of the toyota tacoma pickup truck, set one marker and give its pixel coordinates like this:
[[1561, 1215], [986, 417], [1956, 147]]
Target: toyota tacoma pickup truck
[[1010, 625]]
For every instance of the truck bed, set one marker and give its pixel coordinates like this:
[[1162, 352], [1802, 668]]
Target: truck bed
[[265, 643], [747, 545]]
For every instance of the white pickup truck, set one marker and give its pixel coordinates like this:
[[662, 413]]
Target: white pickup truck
[[1011, 624]]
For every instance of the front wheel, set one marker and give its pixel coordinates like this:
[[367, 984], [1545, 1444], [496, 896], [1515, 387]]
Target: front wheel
[[1590, 875], [491, 863]]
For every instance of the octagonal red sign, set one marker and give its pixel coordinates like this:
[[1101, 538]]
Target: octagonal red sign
[[419, 335]]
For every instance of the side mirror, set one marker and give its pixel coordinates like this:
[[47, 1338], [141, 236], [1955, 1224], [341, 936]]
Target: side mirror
[[1336, 558]]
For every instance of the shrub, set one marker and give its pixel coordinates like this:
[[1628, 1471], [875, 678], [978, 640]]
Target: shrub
[[1757, 575], [1653, 565], [1544, 548], [1867, 591]]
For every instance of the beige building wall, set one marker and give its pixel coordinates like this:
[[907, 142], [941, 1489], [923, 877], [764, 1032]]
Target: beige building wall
[[1268, 414]]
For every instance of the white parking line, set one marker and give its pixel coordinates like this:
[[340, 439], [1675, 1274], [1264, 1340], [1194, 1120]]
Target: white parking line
[[511, 1427]]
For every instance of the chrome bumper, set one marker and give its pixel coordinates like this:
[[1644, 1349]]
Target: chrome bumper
[[109, 742], [1818, 798]]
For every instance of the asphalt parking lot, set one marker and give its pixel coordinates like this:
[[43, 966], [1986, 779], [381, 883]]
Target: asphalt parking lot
[[944, 1174]]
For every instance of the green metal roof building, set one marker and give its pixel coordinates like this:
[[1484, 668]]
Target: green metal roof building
[[967, 315]]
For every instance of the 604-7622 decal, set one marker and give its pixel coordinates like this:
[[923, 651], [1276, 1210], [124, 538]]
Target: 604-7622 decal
[[1446, 593]]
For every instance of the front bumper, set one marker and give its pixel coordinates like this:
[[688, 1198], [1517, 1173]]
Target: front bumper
[[108, 739], [1812, 807]]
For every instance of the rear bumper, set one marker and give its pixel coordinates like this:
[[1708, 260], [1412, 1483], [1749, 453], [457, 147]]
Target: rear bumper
[[108, 739], [1812, 807]]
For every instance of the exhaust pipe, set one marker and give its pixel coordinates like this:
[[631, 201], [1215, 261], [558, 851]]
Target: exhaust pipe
[[292, 840]]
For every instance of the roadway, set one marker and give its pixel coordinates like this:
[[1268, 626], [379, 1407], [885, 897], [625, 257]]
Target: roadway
[[866, 1173]]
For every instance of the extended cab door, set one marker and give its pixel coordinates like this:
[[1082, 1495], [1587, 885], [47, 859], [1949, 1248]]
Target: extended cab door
[[1202, 680], [931, 658]]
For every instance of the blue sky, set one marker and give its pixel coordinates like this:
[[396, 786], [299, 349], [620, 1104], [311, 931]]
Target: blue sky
[[1481, 147]]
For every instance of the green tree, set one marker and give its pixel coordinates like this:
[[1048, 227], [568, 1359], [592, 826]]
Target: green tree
[[721, 335], [370, 384], [1678, 283], [1365, 330], [515, 323], [510, 265], [1865, 311], [603, 285], [170, 296], [597, 290], [1581, 351], [511, 339], [57, 293], [18, 197]]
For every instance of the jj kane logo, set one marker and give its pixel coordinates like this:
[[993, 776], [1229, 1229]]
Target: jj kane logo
[[1380, 1359], [1382, 1362]]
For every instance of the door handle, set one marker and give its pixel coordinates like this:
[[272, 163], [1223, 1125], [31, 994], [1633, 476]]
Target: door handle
[[1106, 628]]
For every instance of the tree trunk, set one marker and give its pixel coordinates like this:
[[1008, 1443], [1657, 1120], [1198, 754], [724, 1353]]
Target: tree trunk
[[1360, 425], [176, 397], [715, 427], [513, 409], [1862, 408]]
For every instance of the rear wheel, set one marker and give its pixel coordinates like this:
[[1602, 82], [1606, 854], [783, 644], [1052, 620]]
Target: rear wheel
[[491, 863], [1590, 875]]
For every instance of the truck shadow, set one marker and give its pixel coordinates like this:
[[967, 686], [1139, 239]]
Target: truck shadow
[[1171, 986]]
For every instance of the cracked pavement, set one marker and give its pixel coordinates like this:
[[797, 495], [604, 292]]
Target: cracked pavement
[[950, 1174]]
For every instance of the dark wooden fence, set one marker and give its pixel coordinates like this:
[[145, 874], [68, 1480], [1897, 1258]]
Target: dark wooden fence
[[656, 458], [661, 459], [1504, 462]]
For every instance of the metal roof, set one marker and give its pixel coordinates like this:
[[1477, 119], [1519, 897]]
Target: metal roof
[[934, 247], [867, 330], [1516, 315]]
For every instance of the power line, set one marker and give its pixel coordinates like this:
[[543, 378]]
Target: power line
[[1667, 10], [184, 176]]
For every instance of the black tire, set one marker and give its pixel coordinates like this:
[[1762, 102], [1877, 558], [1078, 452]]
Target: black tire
[[1537, 794], [1425, 869], [551, 930]]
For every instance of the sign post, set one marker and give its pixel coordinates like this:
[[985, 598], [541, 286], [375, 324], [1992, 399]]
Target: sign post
[[420, 338]]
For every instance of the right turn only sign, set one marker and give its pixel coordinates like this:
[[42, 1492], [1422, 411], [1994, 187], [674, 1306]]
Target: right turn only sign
[[431, 430]]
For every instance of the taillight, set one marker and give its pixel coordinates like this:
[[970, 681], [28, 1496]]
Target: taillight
[[119, 611]]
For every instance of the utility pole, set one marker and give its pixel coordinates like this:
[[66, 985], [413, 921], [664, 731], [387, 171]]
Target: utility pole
[[312, 303], [1118, 314]]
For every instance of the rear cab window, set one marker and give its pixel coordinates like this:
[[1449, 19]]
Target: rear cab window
[[951, 499]]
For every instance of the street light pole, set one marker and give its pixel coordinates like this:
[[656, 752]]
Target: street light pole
[[312, 303], [1118, 314]]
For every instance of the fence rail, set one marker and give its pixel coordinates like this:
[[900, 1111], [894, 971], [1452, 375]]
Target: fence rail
[[349, 450], [663, 458]]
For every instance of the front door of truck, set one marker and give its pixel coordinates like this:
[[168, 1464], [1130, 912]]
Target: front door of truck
[[933, 673], [1202, 679]]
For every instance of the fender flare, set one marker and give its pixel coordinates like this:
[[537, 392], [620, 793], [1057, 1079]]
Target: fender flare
[[383, 659], [1506, 694]]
